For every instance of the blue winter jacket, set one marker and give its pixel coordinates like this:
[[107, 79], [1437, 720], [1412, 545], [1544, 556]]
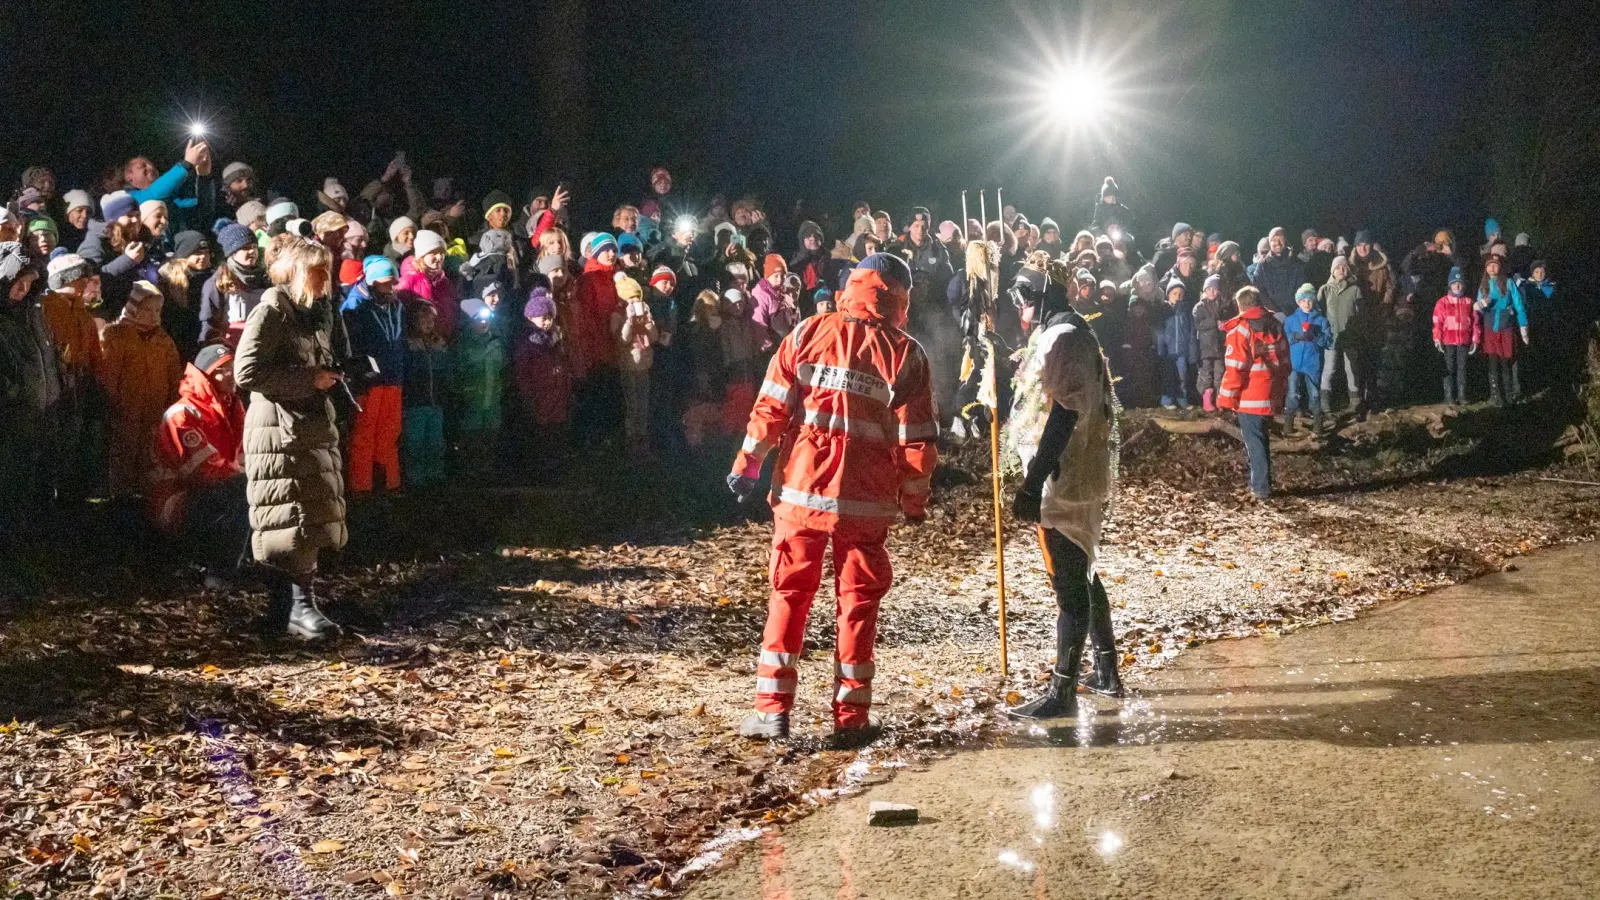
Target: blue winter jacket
[[1505, 306], [377, 332], [1175, 333], [1306, 346]]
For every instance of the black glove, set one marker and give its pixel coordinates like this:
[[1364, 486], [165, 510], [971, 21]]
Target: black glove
[[1025, 506], [742, 486]]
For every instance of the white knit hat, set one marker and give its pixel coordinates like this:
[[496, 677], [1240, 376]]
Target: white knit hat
[[427, 242]]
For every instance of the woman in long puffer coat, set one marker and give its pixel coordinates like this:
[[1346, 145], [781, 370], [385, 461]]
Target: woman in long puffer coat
[[291, 445]]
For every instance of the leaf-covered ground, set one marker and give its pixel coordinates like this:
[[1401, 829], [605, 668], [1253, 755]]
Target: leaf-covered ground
[[540, 693]]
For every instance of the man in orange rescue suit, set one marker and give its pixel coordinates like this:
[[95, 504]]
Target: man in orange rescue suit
[[848, 405]]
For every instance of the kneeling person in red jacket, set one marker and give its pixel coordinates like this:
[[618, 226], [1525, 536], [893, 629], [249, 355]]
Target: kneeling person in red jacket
[[198, 489], [848, 405]]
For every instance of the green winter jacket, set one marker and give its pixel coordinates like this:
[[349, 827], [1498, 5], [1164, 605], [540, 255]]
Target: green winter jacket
[[291, 445], [1341, 303], [480, 368]]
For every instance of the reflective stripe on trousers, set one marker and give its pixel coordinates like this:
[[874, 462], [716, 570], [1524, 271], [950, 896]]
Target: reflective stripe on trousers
[[863, 575]]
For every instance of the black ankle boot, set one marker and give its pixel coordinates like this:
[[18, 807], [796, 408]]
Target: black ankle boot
[[1104, 680], [1060, 700], [305, 620]]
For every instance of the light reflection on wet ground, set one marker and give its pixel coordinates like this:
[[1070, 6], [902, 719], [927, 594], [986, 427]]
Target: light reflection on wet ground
[[1445, 746]]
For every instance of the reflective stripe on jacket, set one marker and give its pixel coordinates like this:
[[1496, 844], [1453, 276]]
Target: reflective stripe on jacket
[[1256, 376]]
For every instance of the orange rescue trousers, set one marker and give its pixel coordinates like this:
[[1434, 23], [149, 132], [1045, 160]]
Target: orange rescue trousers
[[862, 576], [375, 439]]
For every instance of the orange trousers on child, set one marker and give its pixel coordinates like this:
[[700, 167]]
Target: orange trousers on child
[[375, 439], [862, 576]]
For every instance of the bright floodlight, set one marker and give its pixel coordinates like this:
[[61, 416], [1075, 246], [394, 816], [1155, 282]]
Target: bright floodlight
[[1076, 92]]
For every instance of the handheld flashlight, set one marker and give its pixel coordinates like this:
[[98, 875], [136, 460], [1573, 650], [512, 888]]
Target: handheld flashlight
[[197, 130], [1115, 232], [686, 225]]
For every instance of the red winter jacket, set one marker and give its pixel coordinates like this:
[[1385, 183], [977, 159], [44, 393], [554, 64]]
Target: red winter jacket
[[595, 298], [1257, 360], [200, 442], [1456, 323], [848, 405]]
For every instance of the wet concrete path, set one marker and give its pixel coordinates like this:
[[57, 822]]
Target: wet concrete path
[[1445, 746]]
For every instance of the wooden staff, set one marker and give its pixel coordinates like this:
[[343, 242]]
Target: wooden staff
[[999, 529], [983, 210], [964, 220]]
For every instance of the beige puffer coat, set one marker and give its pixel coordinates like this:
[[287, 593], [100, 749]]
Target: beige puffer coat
[[291, 445]]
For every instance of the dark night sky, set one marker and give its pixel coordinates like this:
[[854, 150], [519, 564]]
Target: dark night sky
[[1248, 115]]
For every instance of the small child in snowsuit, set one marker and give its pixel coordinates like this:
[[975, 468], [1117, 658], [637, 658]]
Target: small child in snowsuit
[[422, 398], [544, 385], [634, 330], [480, 384], [1457, 332], [1309, 335], [1210, 343]]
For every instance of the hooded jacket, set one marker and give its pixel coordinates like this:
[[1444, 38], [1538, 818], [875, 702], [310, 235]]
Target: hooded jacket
[[848, 405], [1307, 343], [140, 370], [199, 443], [1342, 302], [595, 299], [291, 445], [1375, 277], [1256, 376]]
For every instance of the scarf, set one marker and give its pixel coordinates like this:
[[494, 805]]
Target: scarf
[[253, 278]]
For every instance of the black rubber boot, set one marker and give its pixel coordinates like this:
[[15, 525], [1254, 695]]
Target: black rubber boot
[[305, 619], [1104, 680], [1059, 700], [765, 726]]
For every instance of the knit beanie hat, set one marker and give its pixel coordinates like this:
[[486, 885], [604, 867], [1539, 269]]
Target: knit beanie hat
[[334, 189], [496, 199], [1522, 240], [1277, 232], [1176, 284], [601, 241], [148, 207], [142, 290], [117, 204], [628, 242], [628, 290], [235, 170], [1308, 234], [550, 262], [187, 243], [1213, 281], [282, 209], [67, 268], [891, 268], [473, 308], [1305, 292], [234, 238], [773, 265], [43, 223], [249, 212], [1363, 236], [77, 199], [1491, 227], [1228, 250], [399, 225], [1109, 187], [349, 272], [377, 268], [211, 356], [1049, 224], [1263, 245], [539, 304], [1180, 228], [663, 276], [427, 242], [1214, 239]]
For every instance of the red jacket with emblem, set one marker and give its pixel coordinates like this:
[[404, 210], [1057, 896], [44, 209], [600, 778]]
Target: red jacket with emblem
[[200, 441], [848, 405], [1257, 359]]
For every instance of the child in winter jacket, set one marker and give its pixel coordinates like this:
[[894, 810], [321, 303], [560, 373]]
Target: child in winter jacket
[[1309, 334], [1175, 346], [544, 386], [669, 372], [1504, 316], [480, 384], [375, 321], [1210, 343], [634, 330], [140, 370], [422, 397], [1457, 332]]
